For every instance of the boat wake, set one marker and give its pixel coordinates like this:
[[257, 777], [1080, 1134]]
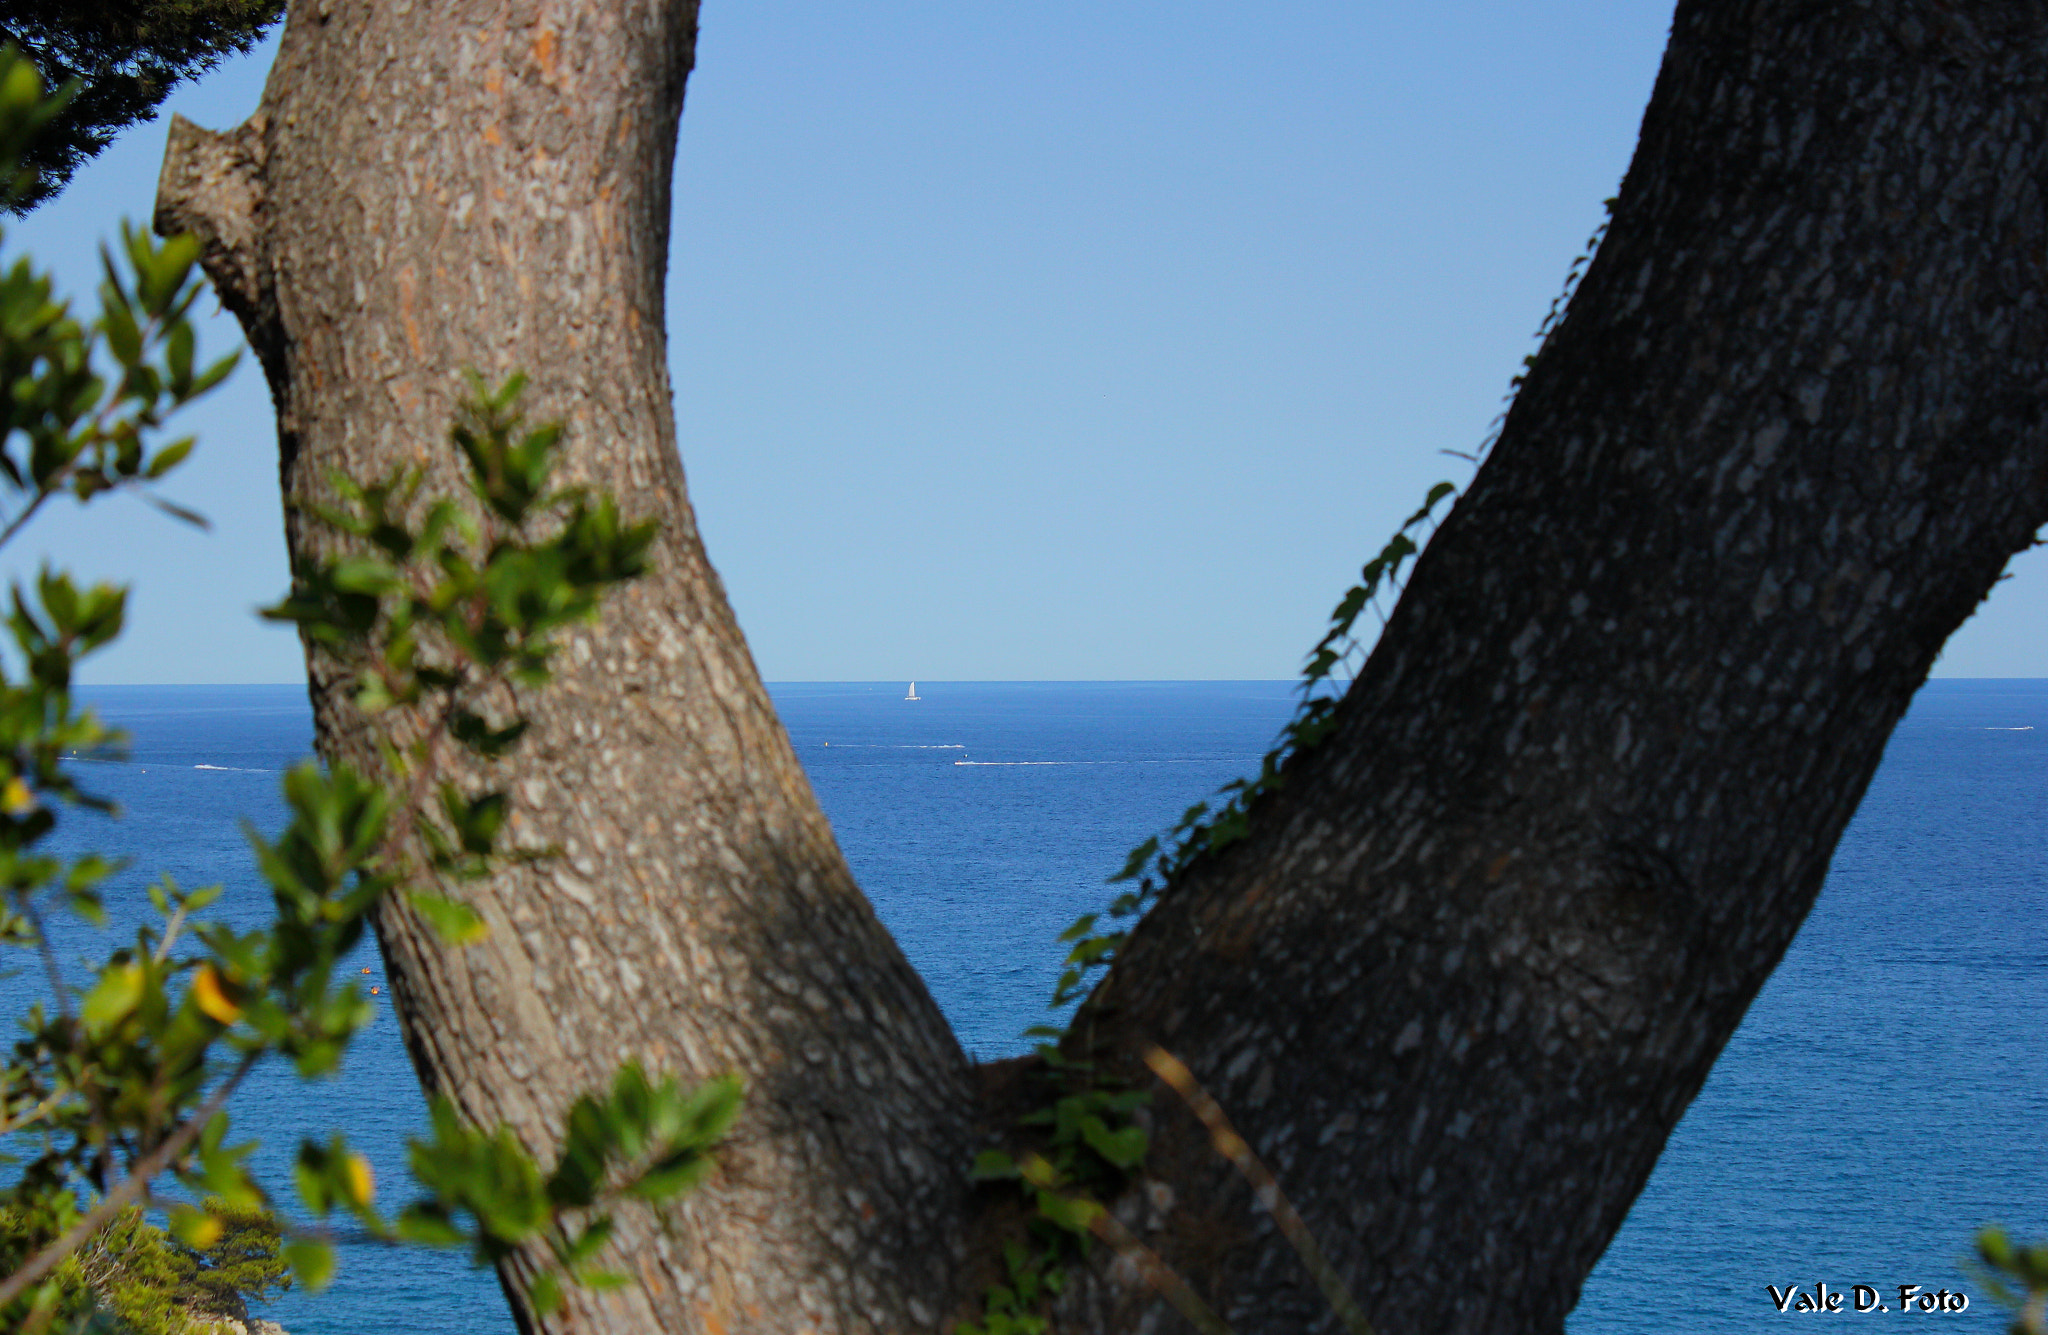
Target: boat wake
[[994, 763]]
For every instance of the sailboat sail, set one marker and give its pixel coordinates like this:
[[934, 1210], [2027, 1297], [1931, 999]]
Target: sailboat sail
[[913, 692]]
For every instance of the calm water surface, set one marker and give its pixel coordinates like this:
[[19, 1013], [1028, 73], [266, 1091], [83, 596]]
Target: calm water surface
[[1886, 1094]]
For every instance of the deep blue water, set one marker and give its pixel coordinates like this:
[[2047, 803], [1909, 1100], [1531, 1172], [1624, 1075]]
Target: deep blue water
[[1886, 1094]]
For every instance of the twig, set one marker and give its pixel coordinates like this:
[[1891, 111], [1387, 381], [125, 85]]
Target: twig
[[9, 1127], [27, 513], [48, 952], [124, 1191], [171, 926], [1232, 1146], [1158, 1274]]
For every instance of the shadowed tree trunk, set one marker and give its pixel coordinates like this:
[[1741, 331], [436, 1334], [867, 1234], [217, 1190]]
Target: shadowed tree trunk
[[1478, 956]]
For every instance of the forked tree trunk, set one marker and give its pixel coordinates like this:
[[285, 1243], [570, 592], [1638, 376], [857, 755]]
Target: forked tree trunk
[[1478, 956]]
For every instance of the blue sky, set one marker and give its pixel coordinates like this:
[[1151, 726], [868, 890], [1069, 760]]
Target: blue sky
[[1071, 341]]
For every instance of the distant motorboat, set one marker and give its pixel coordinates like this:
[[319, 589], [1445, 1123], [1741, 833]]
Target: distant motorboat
[[913, 692]]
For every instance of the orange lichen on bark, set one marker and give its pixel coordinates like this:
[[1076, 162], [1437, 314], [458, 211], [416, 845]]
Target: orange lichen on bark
[[405, 296]]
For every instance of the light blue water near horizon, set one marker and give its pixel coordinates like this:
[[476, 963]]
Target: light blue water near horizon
[[1885, 1095]]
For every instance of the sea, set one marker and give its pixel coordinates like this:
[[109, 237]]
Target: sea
[[1886, 1096]]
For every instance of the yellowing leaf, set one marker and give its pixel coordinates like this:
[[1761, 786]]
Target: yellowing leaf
[[196, 1229], [361, 1182], [16, 799], [211, 993]]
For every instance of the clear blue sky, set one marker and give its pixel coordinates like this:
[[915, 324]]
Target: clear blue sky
[[1065, 341]]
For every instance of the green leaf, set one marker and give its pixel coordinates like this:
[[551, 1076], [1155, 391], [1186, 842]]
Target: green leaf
[[214, 374], [587, 1245], [429, 1227], [669, 1179], [312, 1263], [452, 920], [178, 348], [1082, 926], [116, 995], [546, 1293], [1124, 1148], [1135, 863], [169, 457], [1076, 1214], [117, 318], [993, 1166]]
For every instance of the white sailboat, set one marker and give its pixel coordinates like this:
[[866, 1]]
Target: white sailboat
[[913, 692]]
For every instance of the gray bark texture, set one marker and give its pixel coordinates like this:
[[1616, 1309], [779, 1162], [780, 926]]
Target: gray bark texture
[[1478, 955]]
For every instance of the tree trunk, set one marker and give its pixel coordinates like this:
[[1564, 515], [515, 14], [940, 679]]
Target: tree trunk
[[1481, 951], [1479, 954], [431, 188]]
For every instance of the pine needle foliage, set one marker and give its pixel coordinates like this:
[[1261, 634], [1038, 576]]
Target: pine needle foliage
[[126, 56]]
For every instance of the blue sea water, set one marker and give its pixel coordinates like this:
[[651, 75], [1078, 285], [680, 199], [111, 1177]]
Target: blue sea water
[[1884, 1097]]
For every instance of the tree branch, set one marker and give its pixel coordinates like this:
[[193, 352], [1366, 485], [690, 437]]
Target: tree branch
[[125, 1191], [213, 186]]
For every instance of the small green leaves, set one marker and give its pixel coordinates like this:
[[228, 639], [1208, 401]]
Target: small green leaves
[[642, 1140], [64, 427], [1200, 832], [493, 594], [546, 1293], [330, 1177], [1135, 863]]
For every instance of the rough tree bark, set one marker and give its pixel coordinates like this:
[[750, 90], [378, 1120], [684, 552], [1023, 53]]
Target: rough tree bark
[[430, 188], [1479, 954]]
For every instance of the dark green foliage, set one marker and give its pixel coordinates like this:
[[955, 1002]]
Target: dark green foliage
[[153, 1283], [134, 1278], [238, 1264], [127, 56], [66, 1303]]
